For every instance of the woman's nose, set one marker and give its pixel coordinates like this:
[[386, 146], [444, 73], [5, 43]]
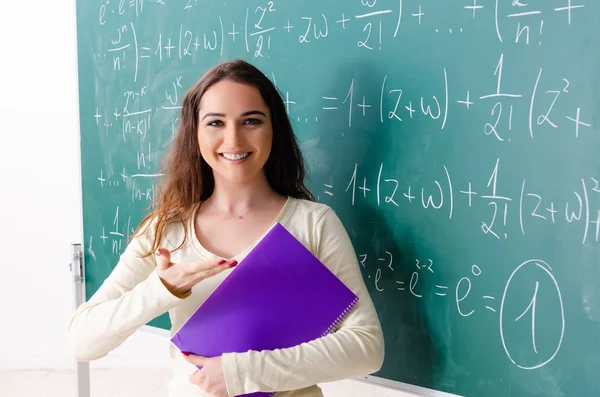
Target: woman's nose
[[233, 135]]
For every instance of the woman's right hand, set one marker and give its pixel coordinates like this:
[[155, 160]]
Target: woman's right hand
[[179, 278]]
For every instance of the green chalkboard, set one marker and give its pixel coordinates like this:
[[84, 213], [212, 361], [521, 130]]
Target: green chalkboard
[[457, 140]]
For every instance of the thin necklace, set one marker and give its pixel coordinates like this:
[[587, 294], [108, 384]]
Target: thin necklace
[[237, 217]]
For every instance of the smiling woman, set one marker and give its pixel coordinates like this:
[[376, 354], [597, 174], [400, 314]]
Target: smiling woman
[[236, 143], [235, 169]]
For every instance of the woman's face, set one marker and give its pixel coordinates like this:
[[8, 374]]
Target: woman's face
[[235, 133]]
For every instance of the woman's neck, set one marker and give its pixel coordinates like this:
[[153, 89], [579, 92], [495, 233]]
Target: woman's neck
[[236, 198]]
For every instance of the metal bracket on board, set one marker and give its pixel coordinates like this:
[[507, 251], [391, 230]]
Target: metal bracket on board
[[82, 369], [76, 264]]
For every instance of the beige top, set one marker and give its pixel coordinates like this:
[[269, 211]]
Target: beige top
[[133, 295]]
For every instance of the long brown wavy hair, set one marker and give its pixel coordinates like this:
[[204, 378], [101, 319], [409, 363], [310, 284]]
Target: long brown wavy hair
[[188, 179]]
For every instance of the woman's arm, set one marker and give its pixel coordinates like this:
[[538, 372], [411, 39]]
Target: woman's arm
[[355, 349], [130, 297]]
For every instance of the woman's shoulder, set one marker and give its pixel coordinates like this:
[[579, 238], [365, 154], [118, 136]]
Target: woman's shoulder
[[313, 223], [309, 210], [310, 215]]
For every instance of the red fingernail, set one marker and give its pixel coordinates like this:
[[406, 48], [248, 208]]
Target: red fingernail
[[222, 261], [185, 353], [233, 264]]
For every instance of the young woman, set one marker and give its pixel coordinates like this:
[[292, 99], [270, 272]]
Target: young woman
[[235, 169]]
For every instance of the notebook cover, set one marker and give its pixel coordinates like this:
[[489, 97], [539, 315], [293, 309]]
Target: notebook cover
[[280, 295]]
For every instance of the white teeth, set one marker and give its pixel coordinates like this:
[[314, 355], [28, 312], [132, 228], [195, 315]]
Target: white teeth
[[238, 156]]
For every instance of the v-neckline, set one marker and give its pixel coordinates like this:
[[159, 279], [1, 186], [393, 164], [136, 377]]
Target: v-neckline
[[208, 254]]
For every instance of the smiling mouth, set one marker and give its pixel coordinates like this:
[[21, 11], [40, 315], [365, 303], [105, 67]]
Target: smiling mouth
[[235, 156]]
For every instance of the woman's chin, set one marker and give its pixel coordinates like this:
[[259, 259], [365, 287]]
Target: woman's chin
[[239, 177]]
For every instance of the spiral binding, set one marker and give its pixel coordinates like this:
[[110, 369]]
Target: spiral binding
[[341, 317]]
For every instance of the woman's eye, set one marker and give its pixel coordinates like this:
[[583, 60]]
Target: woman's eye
[[215, 123], [252, 121]]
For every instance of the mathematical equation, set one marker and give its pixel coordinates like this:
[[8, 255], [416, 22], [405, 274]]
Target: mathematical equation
[[443, 195], [391, 106], [262, 22], [116, 236], [138, 113], [510, 309], [436, 107]]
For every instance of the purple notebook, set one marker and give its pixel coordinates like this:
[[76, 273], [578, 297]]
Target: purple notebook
[[280, 295]]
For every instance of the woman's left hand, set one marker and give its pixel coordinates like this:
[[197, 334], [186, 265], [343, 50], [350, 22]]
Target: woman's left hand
[[210, 378]]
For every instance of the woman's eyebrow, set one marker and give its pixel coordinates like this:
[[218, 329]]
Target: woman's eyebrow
[[248, 113], [213, 114], [251, 112]]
